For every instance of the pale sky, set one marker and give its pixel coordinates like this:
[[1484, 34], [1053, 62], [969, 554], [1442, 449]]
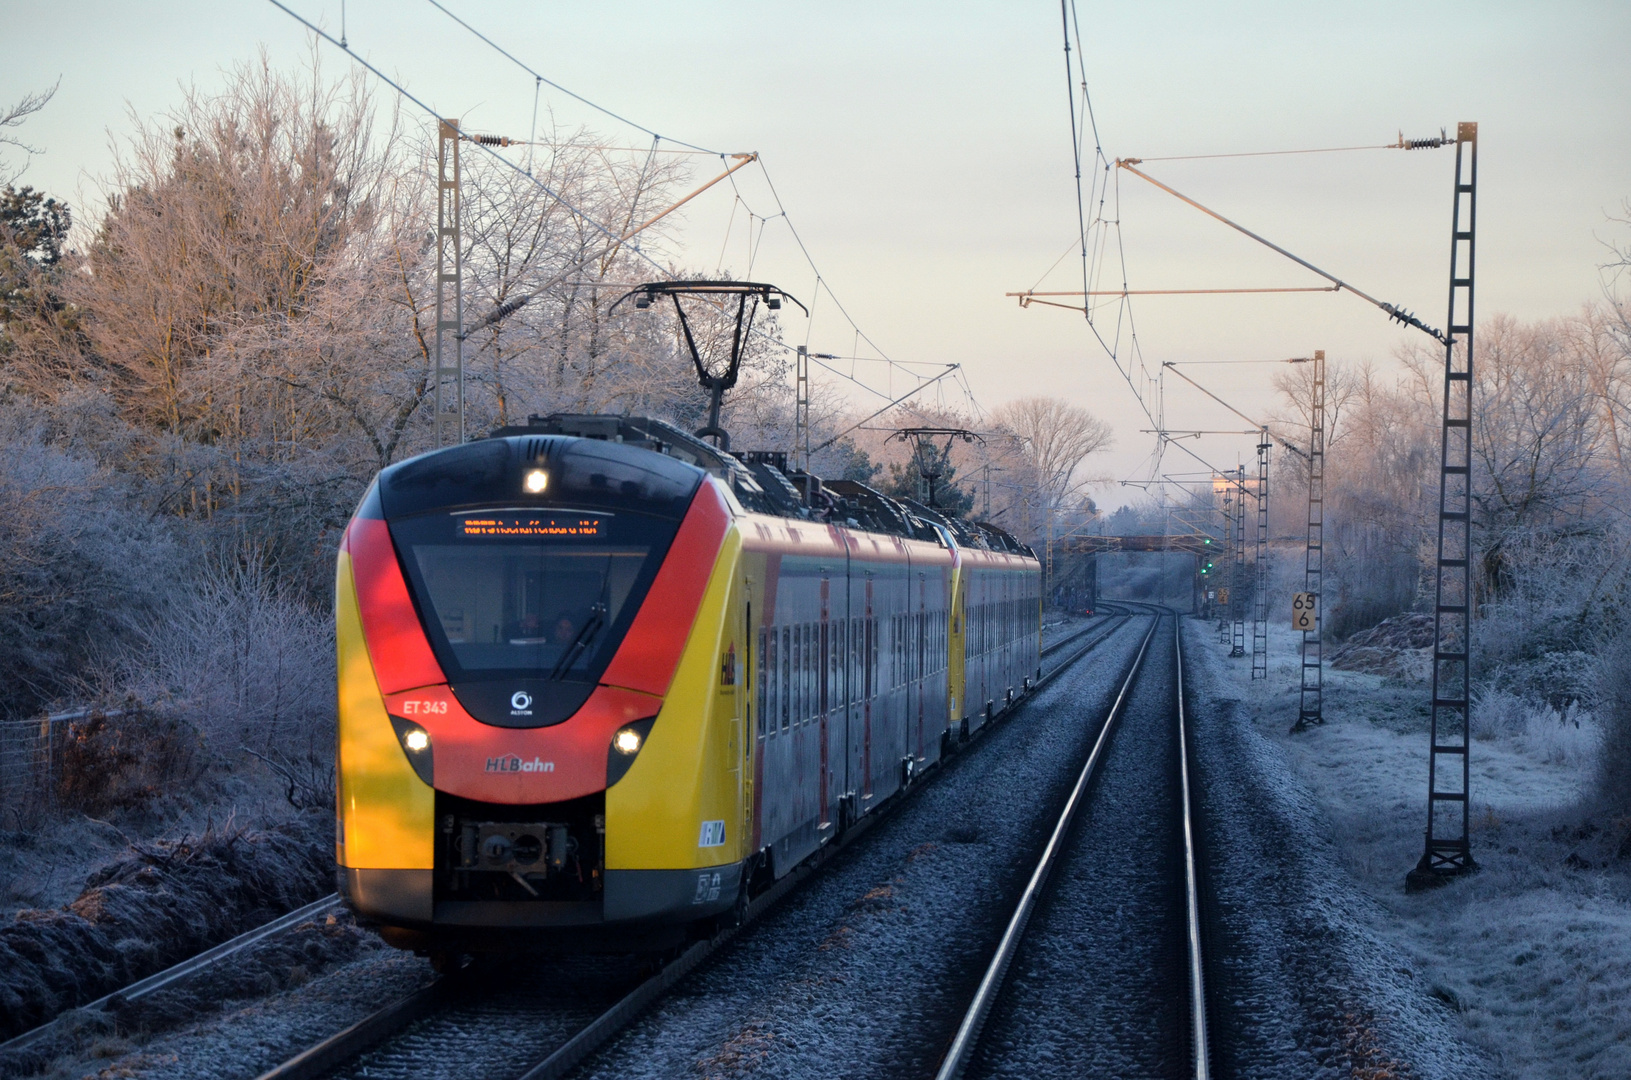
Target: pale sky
[[922, 150]]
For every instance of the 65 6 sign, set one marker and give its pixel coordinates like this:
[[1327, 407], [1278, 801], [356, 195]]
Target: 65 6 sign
[[1305, 611]]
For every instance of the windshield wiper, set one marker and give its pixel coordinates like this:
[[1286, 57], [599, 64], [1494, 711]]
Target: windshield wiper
[[579, 643]]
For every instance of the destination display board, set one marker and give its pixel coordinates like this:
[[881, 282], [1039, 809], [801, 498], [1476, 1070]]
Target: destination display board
[[533, 524]]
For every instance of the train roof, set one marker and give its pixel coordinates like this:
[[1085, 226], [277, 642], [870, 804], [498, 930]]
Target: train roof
[[763, 483]]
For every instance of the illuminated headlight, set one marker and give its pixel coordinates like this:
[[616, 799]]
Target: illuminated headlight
[[415, 742], [536, 481], [626, 743]]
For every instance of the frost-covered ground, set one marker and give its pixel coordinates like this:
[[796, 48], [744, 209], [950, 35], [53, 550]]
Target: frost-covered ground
[[259, 1011], [1529, 960]]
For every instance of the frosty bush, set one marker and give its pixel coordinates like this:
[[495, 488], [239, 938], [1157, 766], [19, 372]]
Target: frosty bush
[[79, 565], [1614, 713], [244, 660], [1498, 712]]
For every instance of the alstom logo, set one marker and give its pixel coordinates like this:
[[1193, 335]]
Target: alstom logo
[[512, 763]]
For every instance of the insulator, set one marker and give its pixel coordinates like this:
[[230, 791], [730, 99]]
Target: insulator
[[509, 307], [493, 140], [1424, 144]]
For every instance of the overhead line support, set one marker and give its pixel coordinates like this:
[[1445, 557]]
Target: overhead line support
[[1449, 848], [1257, 426], [1393, 311], [1310, 704], [449, 427], [1260, 589], [1237, 643]]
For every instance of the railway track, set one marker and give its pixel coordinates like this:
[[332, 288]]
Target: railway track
[[523, 1024], [62, 1027], [39, 1041], [1139, 1006]]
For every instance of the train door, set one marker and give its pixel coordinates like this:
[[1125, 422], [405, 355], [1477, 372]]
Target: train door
[[918, 662], [869, 676], [826, 639], [751, 705], [956, 659]]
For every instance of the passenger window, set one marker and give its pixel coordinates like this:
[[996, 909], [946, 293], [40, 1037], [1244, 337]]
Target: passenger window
[[804, 672], [829, 666], [760, 696], [787, 676]]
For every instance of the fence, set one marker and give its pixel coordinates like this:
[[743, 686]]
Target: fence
[[31, 754], [97, 760]]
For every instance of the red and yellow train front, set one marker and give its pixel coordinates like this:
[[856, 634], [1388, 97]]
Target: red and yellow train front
[[538, 714]]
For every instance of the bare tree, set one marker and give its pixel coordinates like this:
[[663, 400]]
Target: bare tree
[[13, 117], [1051, 439]]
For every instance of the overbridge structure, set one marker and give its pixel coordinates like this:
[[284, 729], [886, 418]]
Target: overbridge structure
[[1201, 545]]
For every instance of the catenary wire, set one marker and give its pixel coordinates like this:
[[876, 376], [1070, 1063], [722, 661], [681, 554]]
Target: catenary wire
[[764, 219], [576, 97], [613, 239]]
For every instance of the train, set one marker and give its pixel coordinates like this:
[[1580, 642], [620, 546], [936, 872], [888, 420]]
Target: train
[[600, 681]]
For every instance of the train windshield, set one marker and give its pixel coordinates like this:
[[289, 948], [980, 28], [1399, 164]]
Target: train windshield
[[528, 593]]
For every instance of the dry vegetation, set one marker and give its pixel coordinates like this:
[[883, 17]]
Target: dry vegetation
[[198, 380]]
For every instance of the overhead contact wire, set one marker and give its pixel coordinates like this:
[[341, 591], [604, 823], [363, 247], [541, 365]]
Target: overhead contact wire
[[575, 96]]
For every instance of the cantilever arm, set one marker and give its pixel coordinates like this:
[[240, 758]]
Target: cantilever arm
[[1393, 311]]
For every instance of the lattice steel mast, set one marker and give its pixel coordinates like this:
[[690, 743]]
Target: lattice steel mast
[[1260, 589], [1228, 553], [1309, 706], [1237, 595], [449, 247], [1448, 849]]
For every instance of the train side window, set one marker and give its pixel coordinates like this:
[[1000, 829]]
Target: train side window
[[786, 676], [843, 661], [803, 712], [905, 649], [869, 655], [760, 687], [818, 669], [895, 665], [904, 667], [829, 666], [922, 645], [773, 682], [809, 673], [840, 653], [872, 658], [857, 677]]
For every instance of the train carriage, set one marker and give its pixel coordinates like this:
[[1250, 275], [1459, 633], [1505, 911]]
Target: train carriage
[[598, 679]]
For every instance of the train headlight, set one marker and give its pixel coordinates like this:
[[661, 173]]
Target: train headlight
[[626, 744], [535, 481], [416, 746]]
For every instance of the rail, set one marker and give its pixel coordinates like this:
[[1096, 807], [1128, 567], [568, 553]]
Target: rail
[[968, 1032], [967, 1037], [379, 1026], [135, 991], [1200, 1046]]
